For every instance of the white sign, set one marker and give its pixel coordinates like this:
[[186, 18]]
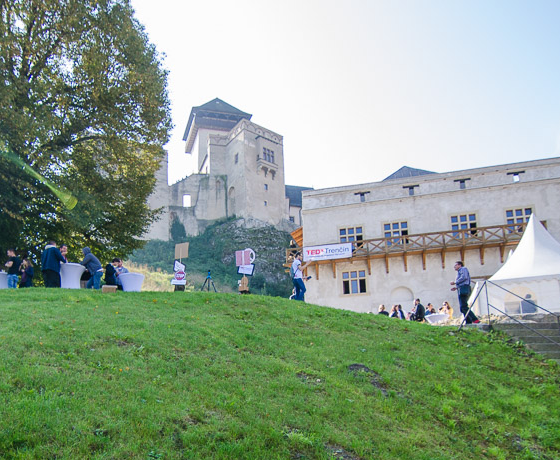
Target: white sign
[[327, 252], [180, 278], [178, 266], [246, 269]]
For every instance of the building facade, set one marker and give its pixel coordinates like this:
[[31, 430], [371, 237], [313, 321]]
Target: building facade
[[240, 172], [409, 229]]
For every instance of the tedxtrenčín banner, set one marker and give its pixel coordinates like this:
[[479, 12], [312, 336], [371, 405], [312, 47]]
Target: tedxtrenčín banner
[[327, 252]]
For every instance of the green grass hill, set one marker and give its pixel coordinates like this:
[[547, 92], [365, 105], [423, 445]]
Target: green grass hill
[[174, 375]]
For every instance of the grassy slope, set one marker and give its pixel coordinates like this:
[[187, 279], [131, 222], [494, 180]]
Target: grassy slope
[[199, 375]]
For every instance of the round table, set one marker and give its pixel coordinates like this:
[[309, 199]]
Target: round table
[[3, 280], [70, 275], [131, 282]]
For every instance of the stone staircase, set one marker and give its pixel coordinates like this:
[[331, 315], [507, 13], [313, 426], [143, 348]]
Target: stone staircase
[[546, 325]]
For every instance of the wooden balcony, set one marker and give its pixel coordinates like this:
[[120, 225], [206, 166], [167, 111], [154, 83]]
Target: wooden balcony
[[476, 239]]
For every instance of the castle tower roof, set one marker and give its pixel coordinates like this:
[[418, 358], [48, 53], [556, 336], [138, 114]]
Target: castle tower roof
[[216, 114]]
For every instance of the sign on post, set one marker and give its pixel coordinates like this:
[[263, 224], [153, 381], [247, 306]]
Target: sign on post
[[244, 257], [179, 275], [182, 251]]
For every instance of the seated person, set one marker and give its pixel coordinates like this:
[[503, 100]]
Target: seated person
[[418, 312], [110, 275], [118, 264], [430, 310], [381, 310], [446, 309]]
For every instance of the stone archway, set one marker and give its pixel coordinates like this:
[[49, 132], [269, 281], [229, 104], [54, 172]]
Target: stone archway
[[403, 296]]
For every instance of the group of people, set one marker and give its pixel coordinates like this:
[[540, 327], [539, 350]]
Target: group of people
[[418, 312], [51, 260], [17, 267], [462, 285]]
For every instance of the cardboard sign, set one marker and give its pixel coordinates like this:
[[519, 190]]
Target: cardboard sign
[[244, 257], [182, 251]]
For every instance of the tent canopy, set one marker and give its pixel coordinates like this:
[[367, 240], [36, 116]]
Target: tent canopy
[[536, 255]]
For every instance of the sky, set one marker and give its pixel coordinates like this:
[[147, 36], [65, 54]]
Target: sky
[[360, 88]]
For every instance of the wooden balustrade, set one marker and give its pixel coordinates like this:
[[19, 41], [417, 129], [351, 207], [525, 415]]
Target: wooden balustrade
[[481, 238]]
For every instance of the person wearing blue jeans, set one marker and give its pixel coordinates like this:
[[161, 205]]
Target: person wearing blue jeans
[[297, 270], [463, 287], [94, 268], [12, 264]]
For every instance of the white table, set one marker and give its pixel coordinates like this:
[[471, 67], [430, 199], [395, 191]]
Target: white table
[[435, 318], [3, 280], [131, 282], [70, 275]]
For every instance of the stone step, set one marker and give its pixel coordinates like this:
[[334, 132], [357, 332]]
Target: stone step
[[544, 347], [538, 339], [551, 354], [536, 326], [522, 332]]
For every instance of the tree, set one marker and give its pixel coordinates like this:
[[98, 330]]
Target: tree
[[83, 101], [177, 230]]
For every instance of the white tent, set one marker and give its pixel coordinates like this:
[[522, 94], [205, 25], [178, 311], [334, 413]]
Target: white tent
[[532, 272]]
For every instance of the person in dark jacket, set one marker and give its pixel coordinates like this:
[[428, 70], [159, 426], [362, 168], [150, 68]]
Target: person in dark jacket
[[50, 265], [419, 312], [93, 266], [110, 275], [27, 273]]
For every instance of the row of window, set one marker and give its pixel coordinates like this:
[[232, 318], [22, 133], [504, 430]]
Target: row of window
[[268, 155], [515, 175], [458, 222]]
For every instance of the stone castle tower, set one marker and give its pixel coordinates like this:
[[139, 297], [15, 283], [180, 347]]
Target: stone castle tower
[[240, 173]]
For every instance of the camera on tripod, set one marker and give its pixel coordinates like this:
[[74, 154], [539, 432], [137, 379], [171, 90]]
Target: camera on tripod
[[207, 282]]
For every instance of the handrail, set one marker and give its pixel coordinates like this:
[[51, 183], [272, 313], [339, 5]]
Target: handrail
[[522, 298], [504, 313]]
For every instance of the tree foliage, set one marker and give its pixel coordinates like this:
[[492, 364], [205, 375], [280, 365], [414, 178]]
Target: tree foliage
[[83, 101]]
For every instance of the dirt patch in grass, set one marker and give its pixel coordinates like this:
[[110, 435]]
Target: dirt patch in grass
[[339, 453], [376, 379], [309, 379]]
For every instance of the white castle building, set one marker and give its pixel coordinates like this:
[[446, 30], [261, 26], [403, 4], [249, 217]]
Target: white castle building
[[240, 172], [409, 229]]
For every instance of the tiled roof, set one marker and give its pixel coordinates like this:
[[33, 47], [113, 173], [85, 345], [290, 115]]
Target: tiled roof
[[219, 106], [293, 193]]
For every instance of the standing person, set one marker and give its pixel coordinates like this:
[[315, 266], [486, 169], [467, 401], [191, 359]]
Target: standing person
[[64, 252], [13, 264], [50, 265], [118, 264], [463, 287], [94, 267], [297, 277], [27, 273]]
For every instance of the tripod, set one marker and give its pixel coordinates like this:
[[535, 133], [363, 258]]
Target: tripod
[[207, 283]]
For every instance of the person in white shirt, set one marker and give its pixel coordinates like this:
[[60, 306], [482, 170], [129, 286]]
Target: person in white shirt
[[297, 277]]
